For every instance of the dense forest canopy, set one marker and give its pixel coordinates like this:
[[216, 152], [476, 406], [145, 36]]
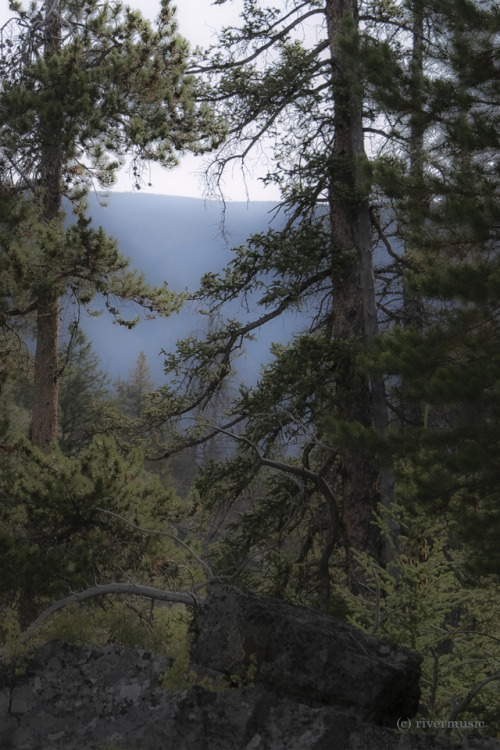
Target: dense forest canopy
[[359, 474]]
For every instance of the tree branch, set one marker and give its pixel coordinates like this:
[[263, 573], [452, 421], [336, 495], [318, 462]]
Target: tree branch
[[168, 534], [216, 68], [148, 592]]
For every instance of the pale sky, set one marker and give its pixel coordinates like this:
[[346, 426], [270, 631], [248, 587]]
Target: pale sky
[[198, 21]]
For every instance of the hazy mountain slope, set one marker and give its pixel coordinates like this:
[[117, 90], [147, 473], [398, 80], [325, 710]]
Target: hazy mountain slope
[[171, 239]]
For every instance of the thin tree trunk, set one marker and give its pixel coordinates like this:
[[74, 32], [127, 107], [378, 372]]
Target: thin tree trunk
[[413, 309], [45, 406]]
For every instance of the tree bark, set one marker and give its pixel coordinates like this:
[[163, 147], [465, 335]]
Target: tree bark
[[43, 431], [354, 305]]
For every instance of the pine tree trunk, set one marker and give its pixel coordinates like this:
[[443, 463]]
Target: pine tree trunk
[[354, 306], [46, 392]]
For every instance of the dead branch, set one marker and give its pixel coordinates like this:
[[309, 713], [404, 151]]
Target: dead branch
[[168, 534], [106, 589]]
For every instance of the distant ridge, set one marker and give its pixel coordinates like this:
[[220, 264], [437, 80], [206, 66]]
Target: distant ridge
[[173, 239]]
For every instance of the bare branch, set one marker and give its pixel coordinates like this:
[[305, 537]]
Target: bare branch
[[168, 534], [383, 237], [149, 592], [260, 50], [299, 471]]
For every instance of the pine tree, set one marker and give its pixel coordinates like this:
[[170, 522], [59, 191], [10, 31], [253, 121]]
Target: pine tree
[[315, 397], [85, 84], [132, 392], [15, 304], [447, 370], [422, 79], [85, 390], [58, 521]]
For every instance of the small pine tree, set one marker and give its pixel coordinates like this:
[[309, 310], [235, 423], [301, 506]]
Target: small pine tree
[[132, 393], [84, 392], [59, 528]]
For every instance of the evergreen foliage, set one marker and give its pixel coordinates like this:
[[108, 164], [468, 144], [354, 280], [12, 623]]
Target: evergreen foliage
[[447, 371], [85, 85], [428, 79], [432, 183], [84, 393], [125, 623], [57, 526], [423, 601], [133, 392]]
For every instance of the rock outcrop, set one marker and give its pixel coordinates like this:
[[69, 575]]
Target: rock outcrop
[[306, 655], [314, 684]]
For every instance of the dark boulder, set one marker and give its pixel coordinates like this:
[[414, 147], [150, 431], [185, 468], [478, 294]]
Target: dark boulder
[[298, 652]]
